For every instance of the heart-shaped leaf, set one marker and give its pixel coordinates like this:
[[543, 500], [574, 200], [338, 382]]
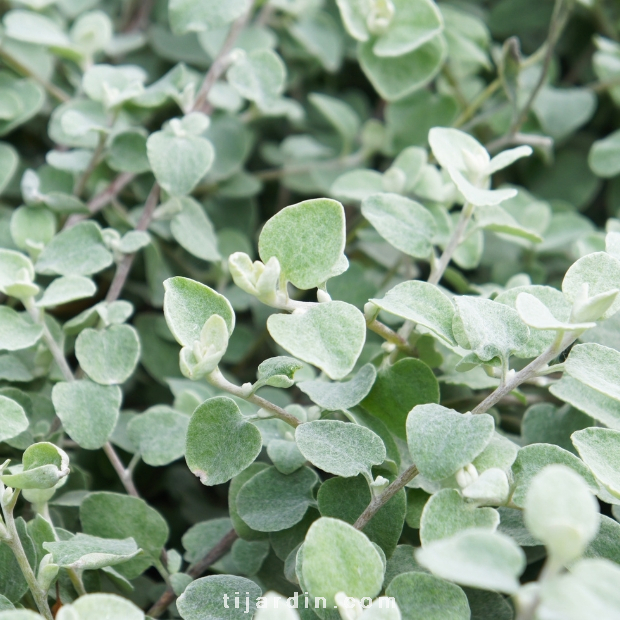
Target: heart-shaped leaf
[[108, 356], [441, 441], [329, 335], [17, 331], [221, 443]]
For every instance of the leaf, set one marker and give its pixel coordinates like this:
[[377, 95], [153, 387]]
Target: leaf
[[347, 498], [598, 448], [193, 230], [100, 607], [16, 331], [187, 16], [404, 223], [78, 250], [487, 328], [398, 389], [84, 552], [13, 420], [280, 366], [188, 305], [415, 22], [534, 313], [65, 289], [271, 501], [340, 115], [339, 558], [395, 78], [596, 367], [600, 271], [591, 587], [202, 537], [442, 441], [561, 511], [220, 442], [108, 356], [127, 153], [159, 434], [249, 556], [308, 239], [258, 76], [27, 95], [113, 515], [329, 335], [88, 411], [532, 459], [205, 598], [334, 396], [604, 157], [498, 220], [340, 448], [179, 162], [15, 267], [274, 607], [357, 185], [423, 304], [476, 558], [31, 27], [424, 597], [446, 513], [561, 111], [285, 455], [13, 585], [241, 527], [9, 160], [44, 465]]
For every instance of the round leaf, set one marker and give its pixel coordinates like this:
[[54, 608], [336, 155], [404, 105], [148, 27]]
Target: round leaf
[[13, 420]]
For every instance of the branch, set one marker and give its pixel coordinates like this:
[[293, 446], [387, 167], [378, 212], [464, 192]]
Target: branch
[[123, 473], [220, 64], [389, 335], [92, 164], [195, 571], [124, 267], [378, 502]]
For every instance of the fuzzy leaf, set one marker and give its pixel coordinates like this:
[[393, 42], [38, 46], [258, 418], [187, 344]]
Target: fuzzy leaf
[[100, 607], [13, 420], [84, 552], [258, 76], [16, 331], [598, 447], [193, 230]]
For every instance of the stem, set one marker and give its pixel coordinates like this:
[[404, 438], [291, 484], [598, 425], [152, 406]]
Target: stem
[[102, 199], [560, 343], [389, 335], [14, 542], [440, 266], [124, 267], [123, 473], [220, 64], [217, 379], [195, 571], [378, 502], [53, 90], [38, 316], [92, 164]]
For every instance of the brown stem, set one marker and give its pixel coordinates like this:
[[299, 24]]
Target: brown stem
[[220, 64], [195, 571], [124, 267], [123, 473], [92, 164], [102, 199], [378, 502]]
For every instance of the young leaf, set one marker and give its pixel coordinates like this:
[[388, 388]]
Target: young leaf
[[340, 448], [398, 389], [13, 420], [108, 356], [15, 267], [404, 223], [187, 16], [271, 501], [32, 227], [334, 396], [66, 289], [221, 443], [330, 335], [213, 598], [188, 305], [159, 434], [193, 230], [476, 558], [88, 411], [447, 513], [339, 558], [258, 76], [561, 511], [425, 597], [44, 465], [421, 303], [442, 441], [308, 240]]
